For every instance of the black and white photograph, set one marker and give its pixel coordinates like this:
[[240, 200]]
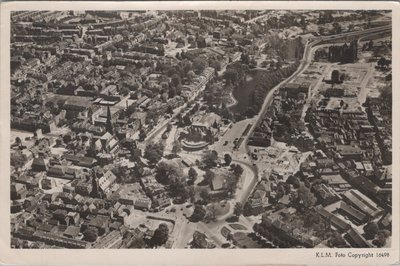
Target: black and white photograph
[[200, 129]]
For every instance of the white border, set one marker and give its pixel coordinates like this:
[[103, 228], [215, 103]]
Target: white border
[[183, 256]]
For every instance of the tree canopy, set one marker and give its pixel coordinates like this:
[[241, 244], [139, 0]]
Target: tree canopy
[[238, 210], [228, 159], [198, 213], [154, 152], [168, 171], [209, 159], [305, 197], [192, 174], [90, 234], [160, 236]]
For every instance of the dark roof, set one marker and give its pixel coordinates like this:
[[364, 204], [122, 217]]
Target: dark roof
[[336, 221], [45, 227], [362, 202], [72, 231], [99, 221], [357, 240], [38, 162], [352, 211]]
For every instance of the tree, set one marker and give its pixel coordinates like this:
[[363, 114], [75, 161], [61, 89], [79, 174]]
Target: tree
[[231, 76], [199, 240], [18, 159], [124, 91], [176, 81], [376, 53], [292, 180], [198, 213], [247, 209], [337, 241], [382, 62], [209, 159], [142, 135], [160, 236], [205, 196], [337, 28], [192, 174], [186, 120], [191, 75], [237, 170], [178, 190], [208, 177], [137, 242], [216, 65], [228, 159], [238, 210], [371, 229], [370, 45], [177, 147], [122, 174], [154, 152], [380, 239], [211, 213], [67, 138], [245, 58], [280, 190], [18, 141], [199, 64], [172, 92], [168, 171], [305, 196], [335, 76], [278, 64], [90, 234], [170, 109]]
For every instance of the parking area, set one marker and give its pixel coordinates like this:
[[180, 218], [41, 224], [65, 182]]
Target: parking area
[[231, 137]]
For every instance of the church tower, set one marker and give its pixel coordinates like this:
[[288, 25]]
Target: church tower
[[109, 126]]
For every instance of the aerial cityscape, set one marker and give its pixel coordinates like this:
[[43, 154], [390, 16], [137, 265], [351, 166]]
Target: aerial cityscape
[[201, 129]]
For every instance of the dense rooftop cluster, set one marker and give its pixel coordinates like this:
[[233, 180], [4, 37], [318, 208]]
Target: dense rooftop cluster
[[122, 124]]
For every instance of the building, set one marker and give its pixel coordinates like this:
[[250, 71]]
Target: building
[[106, 181], [362, 202]]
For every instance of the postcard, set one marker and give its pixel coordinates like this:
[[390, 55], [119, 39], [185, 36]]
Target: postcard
[[199, 133]]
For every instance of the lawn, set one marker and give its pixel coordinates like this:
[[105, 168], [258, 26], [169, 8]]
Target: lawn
[[220, 209]]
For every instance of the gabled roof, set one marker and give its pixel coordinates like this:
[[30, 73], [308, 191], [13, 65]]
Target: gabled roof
[[107, 180]]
